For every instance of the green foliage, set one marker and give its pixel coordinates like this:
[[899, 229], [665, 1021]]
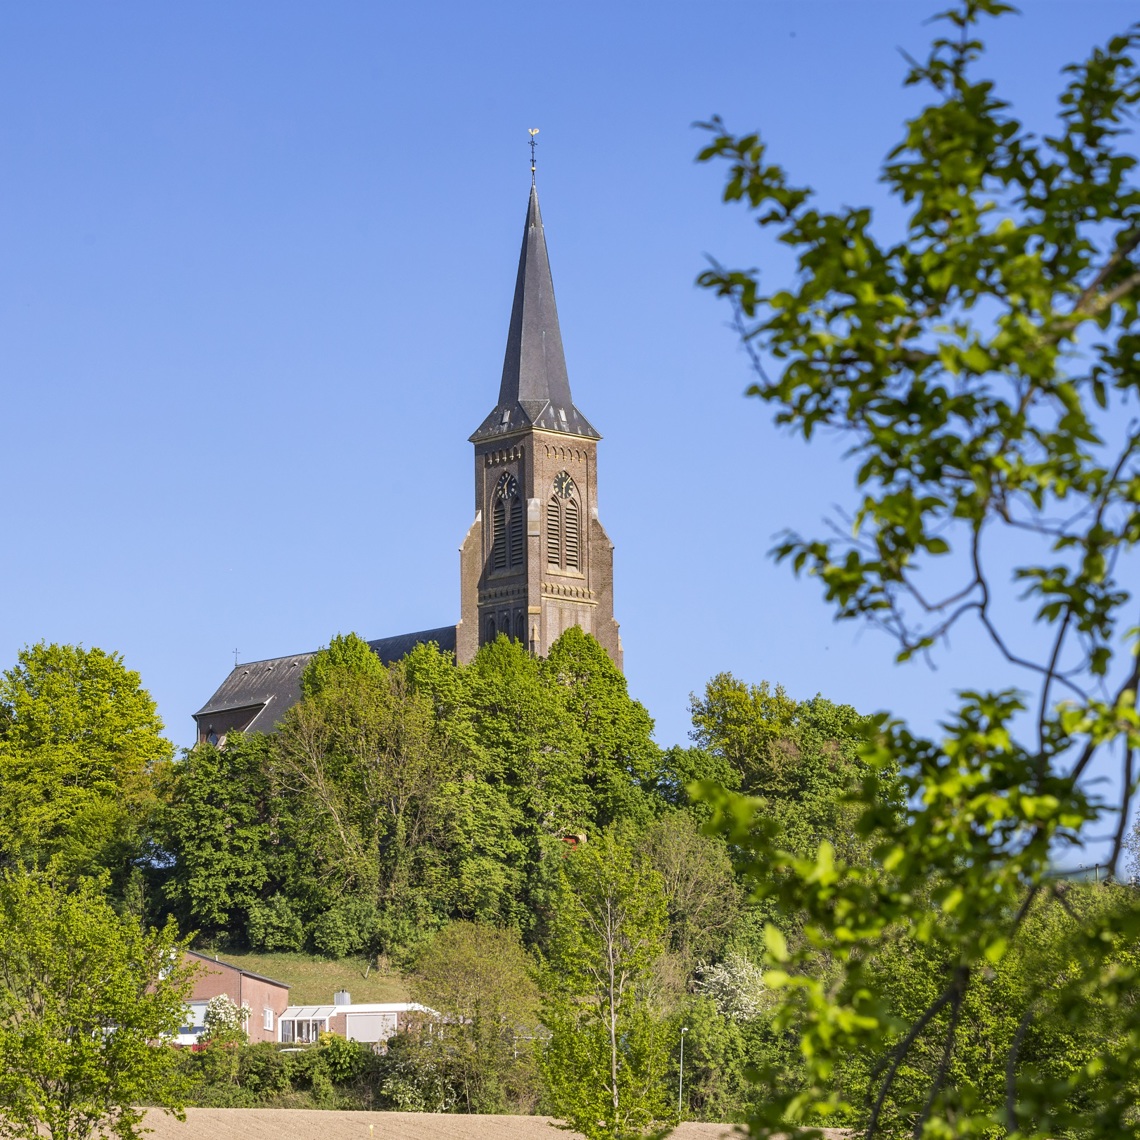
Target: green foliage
[[274, 924], [396, 798], [605, 1063], [478, 978], [84, 994], [80, 746], [980, 370], [347, 928], [697, 878], [414, 1079], [346, 653], [800, 759], [219, 818], [619, 755], [334, 1073]]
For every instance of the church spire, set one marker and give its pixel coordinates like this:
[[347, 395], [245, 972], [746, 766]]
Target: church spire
[[535, 390]]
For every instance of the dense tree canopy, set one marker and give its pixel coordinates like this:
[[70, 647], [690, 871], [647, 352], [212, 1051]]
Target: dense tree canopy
[[81, 747], [394, 798]]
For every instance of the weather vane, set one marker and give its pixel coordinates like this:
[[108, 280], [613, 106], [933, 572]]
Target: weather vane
[[533, 144]]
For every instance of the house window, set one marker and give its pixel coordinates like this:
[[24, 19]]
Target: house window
[[302, 1031], [267, 1019]]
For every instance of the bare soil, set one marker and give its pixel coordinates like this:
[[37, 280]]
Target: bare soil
[[312, 1124]]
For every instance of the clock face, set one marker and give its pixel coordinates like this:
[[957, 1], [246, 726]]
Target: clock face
[[563, 485], [507, 487]]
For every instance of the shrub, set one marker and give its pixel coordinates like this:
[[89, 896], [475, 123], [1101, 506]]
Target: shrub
[[344, 929], [274, 925]]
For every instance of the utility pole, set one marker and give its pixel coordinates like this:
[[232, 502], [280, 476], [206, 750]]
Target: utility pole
[[681, 1078]]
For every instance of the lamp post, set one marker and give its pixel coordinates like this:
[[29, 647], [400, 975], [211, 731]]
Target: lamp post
[[681, 1078]]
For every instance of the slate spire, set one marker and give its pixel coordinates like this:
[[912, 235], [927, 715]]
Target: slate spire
[[535, 390]]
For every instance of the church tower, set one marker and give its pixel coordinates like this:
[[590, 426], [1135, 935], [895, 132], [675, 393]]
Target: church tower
[[536, 559]]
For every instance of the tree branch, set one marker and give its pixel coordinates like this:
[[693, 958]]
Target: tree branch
[[962, 978]]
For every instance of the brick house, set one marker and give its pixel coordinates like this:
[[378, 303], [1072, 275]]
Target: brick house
[[267, 999]]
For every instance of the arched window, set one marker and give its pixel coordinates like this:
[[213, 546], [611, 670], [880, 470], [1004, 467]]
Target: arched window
[[490, 629], [564, 525], [520, 626], [508, 527], [499, 536], [517, 532], [554, 531], [572, 535]]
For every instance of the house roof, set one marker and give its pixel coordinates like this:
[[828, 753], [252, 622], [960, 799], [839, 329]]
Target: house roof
[[535, 389], [269, 687], [323, 1012], [213, 961], [310, 1012]]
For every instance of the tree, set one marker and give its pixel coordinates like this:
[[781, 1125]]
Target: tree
[[218, 822], [345, 653], [979, 369], [736, 987], [801, 759], [80, 748], [605, 1063], [86, 996], [704, 899], [362, 763], [479, 980], [620, 755]]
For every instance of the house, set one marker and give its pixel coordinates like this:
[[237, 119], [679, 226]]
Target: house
[[371, 1023], [267, 999]]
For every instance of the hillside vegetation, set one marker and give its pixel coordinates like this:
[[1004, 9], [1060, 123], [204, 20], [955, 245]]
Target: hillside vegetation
[[313, 980]]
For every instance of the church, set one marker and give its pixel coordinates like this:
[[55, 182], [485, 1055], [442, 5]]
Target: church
[[536, 559]]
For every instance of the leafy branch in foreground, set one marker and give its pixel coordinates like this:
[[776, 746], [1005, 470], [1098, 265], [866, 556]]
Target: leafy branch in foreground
[[984, 371]]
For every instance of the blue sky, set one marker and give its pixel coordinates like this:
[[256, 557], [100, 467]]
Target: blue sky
[[256, 264]]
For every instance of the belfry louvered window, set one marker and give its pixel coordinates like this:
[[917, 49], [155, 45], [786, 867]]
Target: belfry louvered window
[[508, 526], [499, 536], [571, 535], [516, 532], [564, 525], [554, 532]]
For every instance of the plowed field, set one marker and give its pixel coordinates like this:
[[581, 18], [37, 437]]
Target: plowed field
[[307, 1124]]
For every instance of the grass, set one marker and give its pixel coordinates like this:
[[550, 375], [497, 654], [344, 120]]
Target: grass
[[313, 980]]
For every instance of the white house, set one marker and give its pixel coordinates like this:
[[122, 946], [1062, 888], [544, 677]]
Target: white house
[[368, 1022]]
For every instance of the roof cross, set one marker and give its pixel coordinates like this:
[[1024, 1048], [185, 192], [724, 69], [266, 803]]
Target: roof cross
[[533, 143]]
